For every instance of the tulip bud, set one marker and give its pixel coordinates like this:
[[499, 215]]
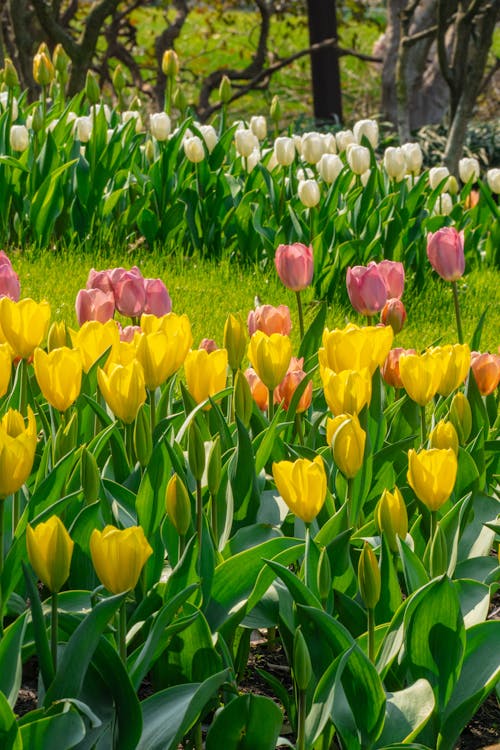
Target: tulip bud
[[493, 180], [461, 416], [309, 193], [324, 575], [57, 336], [92, 90], [37, 119], [348, 444], [329, 167], [160, 125], [344, 138], [284, 150], [225, 90], [452, 185], [10, 76], [393, 314], [391, 517], [258, 126], [50, 549], [179, 100], [193, 148], [368, 129], [302, 668], [209, 135], [143, 441], [178, 505], [19, 137], [235, 341], [358, 158], [444, 436], [437, 175], [43, 69], [61, 59], [149, 151], [468, 169], [196, 451], [438, 560], [119, 80], [245, 142], [312, 147], [275, 110], [89, 476], [83, 129], [170, 63], [214, 468], [243, 400], [66, 437], [413, 157], [394, 163], [369, 577]]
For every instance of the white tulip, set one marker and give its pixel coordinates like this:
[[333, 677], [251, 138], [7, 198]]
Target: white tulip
[[19, 137], [272, 162], [329, 167], [193, 148], [394, 163], [309, 193], [83, 128], [358, 158], [160, 125], [304, 174], [258, 126], [437, 175], [367, 128], [245, 142], [493, 180], [132, 114], [4, 100], [468, 168], [209, 136], [344, 138], [329, 143], [443, 205], [97, 108], [284, 150], [413, 157], [365, 177], [312, 147], [297, 139], [253, 159]]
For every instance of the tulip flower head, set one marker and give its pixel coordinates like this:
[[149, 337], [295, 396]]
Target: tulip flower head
[[302, 485], [50, 549], [284, 392], [59, 375], [24, 324], [259, 391], [348, 439], [432, 474], [391, 517], [444, 435], [390, 368], [93, 339], [270, 357], [393, 314], [486, 370], [17, 450], [455, 364], [235, 341], [348, 391], [206, 373], [445, 250], [366, 289], [421, 376], [295, 265], [123, 388], [94, 304], [9, 280], [269, 320], [5, 368], [119, 556], [355, 347]]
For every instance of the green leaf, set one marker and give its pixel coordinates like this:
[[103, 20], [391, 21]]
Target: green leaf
[[435, 639], [312, 338], [10, 738], [170, 714], [414, 572], [407, 712], [10, 659], [474, 601], [62, 731], [390, 593], [39, 630], [250, 722], [480, 672]]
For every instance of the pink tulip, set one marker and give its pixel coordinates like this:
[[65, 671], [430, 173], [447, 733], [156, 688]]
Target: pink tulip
[[208, 344], [445, 250], [127, 333], [158, 300], [393, 314], [366, 288], [9, 281], [130, 294], [393, 274], [94, 304], [270, 320], [295, 265], [390, 368], [4, 259], [99, 280]]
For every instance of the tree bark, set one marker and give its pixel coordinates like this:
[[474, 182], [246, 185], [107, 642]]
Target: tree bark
[[325, 68]]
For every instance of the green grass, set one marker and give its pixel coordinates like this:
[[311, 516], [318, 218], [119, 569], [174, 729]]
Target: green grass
[[207, 292]]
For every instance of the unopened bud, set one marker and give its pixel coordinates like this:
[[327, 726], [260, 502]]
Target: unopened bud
[[275, 110], [196, 451], [89, 476], [92, 90], [57, 336], [179, 100], [143, 441], [324, 575], [178, 505], [243, 401], [369, 577], [439, 553], [43, 69], [225, 90], [61, 59], [391, 517], [235, 341], [443, 436], [214, 469], [37, 120], [302, 668], [119, 80], [461, 417], [10, 76], [170, 63], [66, 437]]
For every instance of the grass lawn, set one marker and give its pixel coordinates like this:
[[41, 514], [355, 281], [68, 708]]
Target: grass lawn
[[207, 292]]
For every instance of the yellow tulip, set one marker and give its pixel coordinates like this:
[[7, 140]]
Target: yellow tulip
[[17, 450], [57, 335], [455, 364], [119, 556], [348, 439], [432, 474], [123, 353], [5, 368], [235, 341], [420, 375], [24, 324], [59, 375], [157, 354], [93, 339], [270, 357], [444, 435], [302, 485], [391, 517], [206, 373], [461, 416], [123, 389], [355, 347], [50, 548], [348, 391]]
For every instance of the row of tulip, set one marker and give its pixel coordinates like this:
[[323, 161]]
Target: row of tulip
[[80, 172], [348, 496]]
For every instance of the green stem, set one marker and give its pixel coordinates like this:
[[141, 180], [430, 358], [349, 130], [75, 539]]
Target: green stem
[[307, 555], [270, 411], [54, 627], [2, 517], [168, 95], [298, 428], [301, 722], [182, 545], [371, 634], [129, 442], [198, 736], [433, 525], [16, 510], [23, 396], [350, 519], [213, 508], [44, 106], [301, 316], [423, 427], [199, 514], [122, 631], [457, 312], [152, 410]]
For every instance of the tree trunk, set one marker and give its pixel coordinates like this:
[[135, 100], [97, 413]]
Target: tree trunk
[[324, 63]]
